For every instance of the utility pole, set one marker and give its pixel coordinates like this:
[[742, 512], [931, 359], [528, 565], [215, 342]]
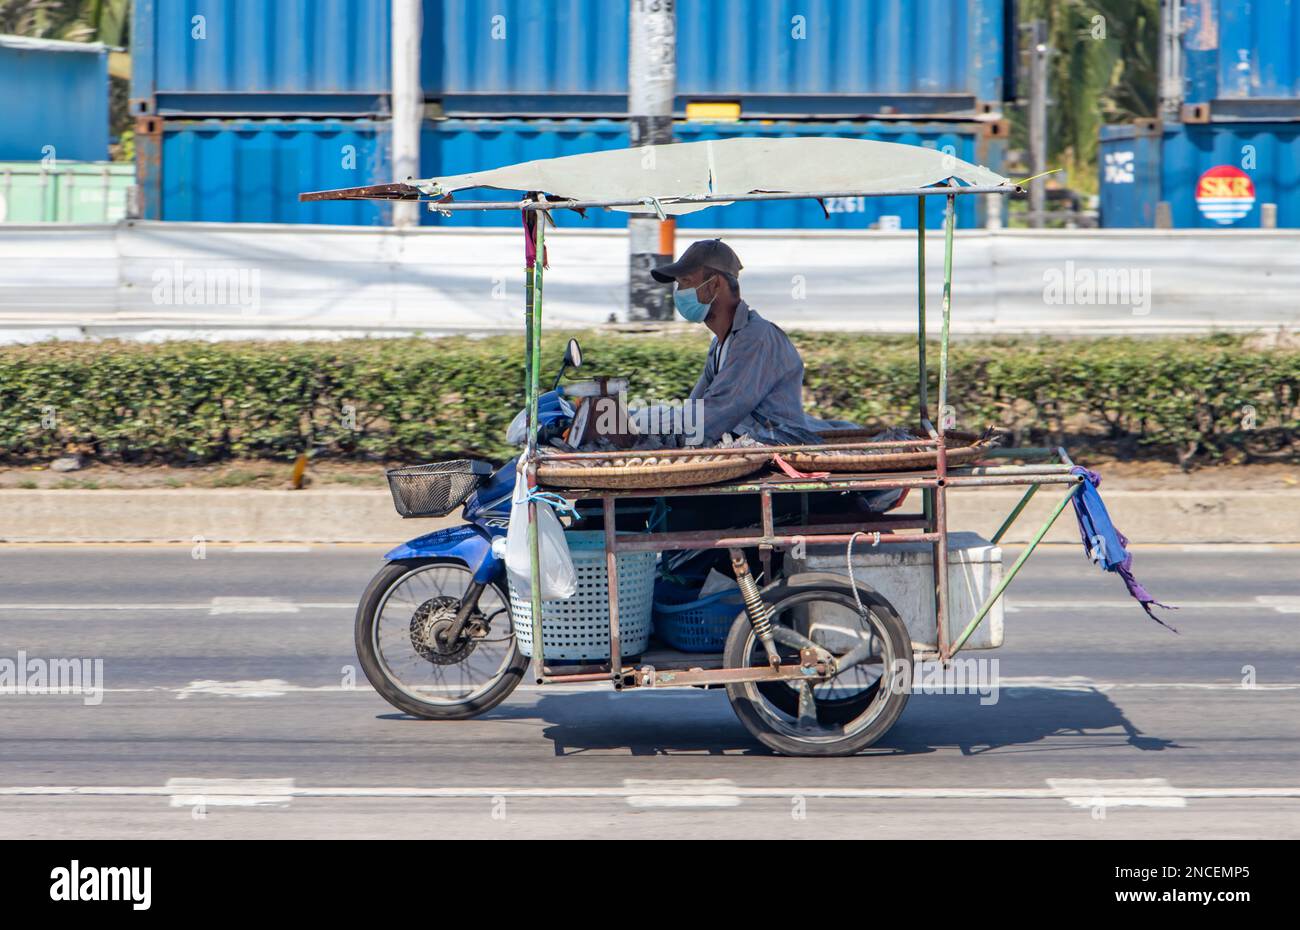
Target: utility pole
[[1171, 60], [1039, 53], [408, 102], [651, 90]]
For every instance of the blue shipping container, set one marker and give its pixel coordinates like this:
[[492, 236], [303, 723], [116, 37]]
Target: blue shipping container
[[250, 57], [253, 170], [457, 146], [1214, 176], [1242, 57], [568, 57], [55, 104], [1130, 174]]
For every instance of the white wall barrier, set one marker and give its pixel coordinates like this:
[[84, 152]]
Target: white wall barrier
[[172, 280]]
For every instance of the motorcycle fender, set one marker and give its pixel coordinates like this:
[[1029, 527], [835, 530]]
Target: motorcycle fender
[[466, 543]]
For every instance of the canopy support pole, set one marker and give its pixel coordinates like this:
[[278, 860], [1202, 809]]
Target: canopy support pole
[[923, 387], [532, 368], [940, 546]]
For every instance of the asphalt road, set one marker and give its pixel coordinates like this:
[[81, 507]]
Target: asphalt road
[[239, 667]]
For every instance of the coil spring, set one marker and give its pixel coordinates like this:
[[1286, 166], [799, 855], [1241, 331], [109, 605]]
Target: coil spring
[[760, 614]]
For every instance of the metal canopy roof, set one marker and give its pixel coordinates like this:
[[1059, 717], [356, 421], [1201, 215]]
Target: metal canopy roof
[[685, 177]]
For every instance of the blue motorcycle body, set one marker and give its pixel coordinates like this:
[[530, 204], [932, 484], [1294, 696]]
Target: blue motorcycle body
[[488, 513]]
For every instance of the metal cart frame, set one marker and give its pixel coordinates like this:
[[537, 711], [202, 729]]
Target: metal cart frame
[[1053, 466]]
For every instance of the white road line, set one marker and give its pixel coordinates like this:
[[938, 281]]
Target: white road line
[[251, 605], [1015, 605], [681, 792], [1283, 604], [264, 688], [1286, 604], [637, 790], [275, 687], [218, 605], [268, 549], [1218, 548], [1095, 793], [230, 792]]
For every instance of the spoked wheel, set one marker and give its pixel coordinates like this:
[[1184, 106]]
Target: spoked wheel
[[402, 638], [839, 716]]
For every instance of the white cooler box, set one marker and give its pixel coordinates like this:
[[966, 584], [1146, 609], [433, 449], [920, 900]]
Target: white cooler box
[[902, 574]]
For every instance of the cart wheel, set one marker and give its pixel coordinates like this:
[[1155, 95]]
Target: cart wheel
[[833, 718], [398, 623]]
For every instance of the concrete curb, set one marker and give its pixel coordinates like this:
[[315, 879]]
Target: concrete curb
[[367, 516]]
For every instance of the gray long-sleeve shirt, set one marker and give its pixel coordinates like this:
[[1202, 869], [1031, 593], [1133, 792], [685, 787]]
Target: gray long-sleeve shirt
[[753, 383]]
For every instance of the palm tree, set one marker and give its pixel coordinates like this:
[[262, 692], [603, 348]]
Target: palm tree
[[1104, 70], [104, 21]]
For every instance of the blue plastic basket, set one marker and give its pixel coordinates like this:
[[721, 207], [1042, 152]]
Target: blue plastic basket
[[694, 625]]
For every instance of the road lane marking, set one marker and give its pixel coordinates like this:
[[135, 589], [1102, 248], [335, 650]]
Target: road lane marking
[[230, 792], [251, 605], [275, 687], [1155, 791], [1016, 605], [1219, 548], [1094, 793], [217, 605], [264, 688], [1283, 604], [270, 605], [268, 549], [681, 792]]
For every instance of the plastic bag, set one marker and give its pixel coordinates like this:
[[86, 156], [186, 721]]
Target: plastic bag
[[559, 580]]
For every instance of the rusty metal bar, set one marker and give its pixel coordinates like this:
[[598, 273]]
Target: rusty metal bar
[[550, 679], [611, 569], [663, 542], [783, 485], [598, 672], [725, 676], [764, 549]]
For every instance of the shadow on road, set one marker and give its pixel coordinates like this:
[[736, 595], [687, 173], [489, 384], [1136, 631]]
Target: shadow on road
[[671, 722]]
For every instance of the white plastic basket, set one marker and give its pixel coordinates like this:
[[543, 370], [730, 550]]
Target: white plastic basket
[[578, 628]]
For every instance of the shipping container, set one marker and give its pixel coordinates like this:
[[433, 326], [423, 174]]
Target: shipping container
[[55, 105], [457, 146], [1241, 59], [250, 57], [66, 192], [251, 171], [837, 58], [1130, 174], [1213, 176], [775, 57]]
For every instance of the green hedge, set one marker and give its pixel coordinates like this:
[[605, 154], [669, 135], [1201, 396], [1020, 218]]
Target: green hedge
[[416, 399]]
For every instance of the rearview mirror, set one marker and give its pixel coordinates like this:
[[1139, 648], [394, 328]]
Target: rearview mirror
[[573, 355]]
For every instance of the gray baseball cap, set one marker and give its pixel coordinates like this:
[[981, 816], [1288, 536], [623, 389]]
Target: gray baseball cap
[[707, 253]]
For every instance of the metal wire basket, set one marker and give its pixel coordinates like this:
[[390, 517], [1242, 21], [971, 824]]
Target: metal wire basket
[[435, 490]]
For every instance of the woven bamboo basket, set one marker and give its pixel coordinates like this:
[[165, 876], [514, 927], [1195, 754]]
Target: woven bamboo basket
[[682, 473], [965, 448]]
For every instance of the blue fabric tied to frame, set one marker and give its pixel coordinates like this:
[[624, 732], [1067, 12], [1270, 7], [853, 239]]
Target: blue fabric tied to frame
[[1106, 545]]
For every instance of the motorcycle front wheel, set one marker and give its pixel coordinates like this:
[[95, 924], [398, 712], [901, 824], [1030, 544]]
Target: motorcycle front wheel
[[400, 627]]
